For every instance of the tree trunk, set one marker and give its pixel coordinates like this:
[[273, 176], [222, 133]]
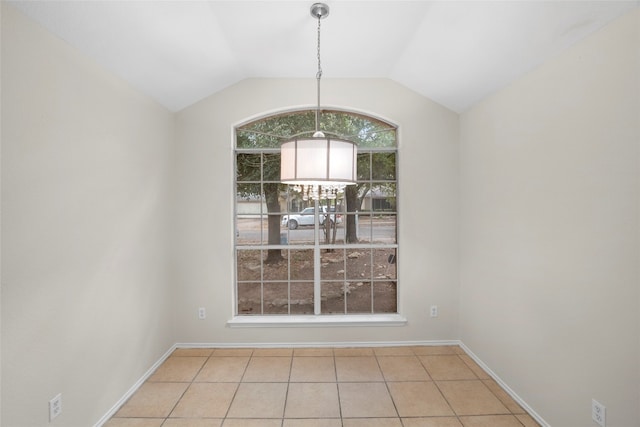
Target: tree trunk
[[351, 232], [273, 208]]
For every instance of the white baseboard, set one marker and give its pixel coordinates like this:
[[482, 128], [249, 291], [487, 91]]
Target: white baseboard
[[505, 387], [337, 344], [106, 417]]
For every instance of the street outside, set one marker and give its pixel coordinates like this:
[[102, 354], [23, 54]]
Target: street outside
[[252, 231]]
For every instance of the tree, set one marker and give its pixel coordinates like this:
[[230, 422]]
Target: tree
[[266, 135]]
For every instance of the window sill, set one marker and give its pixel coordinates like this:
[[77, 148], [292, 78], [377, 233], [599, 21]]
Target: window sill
[[317, 321]]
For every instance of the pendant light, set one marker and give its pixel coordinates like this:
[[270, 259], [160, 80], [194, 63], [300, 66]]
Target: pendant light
[[319, 166]]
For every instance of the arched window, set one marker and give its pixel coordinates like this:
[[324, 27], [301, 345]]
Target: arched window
[[281, 267]]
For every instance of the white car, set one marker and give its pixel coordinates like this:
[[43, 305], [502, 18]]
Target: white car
[[305, 217]]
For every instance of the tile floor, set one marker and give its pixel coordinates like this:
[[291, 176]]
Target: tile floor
[[430, 386]]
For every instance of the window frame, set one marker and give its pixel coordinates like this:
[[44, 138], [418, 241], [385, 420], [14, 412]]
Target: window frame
[[321, 319]]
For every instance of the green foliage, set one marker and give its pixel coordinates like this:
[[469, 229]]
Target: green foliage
[[271, 131], [258, 172]]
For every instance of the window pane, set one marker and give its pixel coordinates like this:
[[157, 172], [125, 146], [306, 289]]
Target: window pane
[[249, 200], [358, 265], [363, 230], [385, 297], [249, 139], [302, 301], [249, 298], [248, 167], [332, 265], [269, 132], [364, 166], [278, 269], [379, 229], [385, 264], [302, 265], [359, 297], [384, 229], [255, 230], [271, 167], [294, 201], [383, 166], [249, 264], [300, 235], [382, 197], [273, 200], [276, 298], [333, 298]]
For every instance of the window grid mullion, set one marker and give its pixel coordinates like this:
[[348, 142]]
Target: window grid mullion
[[264, 246]]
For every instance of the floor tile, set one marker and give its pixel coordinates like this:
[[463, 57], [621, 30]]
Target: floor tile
[[527, 420], [471, 398], [447, 368], [480, 373], [504, 397], [353, 351], [393, 351], [491, 421], [205, 400], [313, 369], [430, 350], [206, 352], [259, 400], [370, 400], [317, 422], [418, 399], [259, 352], [192, 422], [223, 369], [431, 422], [134, 422], [358, 368], [312, 400], [418, 386], [153, 400], [232, 352], [313, 352], [252, 423], [402, 368], [372, 422], [178, 369], [268, 369]]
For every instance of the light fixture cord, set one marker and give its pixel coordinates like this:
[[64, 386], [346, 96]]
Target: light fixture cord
[[318, 76]]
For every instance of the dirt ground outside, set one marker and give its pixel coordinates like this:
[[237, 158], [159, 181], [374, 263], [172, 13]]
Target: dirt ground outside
[[352, 281]]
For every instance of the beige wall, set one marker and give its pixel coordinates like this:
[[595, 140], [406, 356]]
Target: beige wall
[[117, 225], [549, 231], [85, 164], [428, 198]]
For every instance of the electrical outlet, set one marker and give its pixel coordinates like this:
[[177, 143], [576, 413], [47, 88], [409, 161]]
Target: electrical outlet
[[598, 413], [434, 311], [202, 313], [55, 407]]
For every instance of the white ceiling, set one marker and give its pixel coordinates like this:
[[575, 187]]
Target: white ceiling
[[453, 52]]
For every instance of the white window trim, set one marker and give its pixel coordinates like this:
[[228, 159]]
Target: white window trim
[[323, 320]]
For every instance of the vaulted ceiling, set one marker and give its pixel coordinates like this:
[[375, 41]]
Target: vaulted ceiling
[[453, 52]]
